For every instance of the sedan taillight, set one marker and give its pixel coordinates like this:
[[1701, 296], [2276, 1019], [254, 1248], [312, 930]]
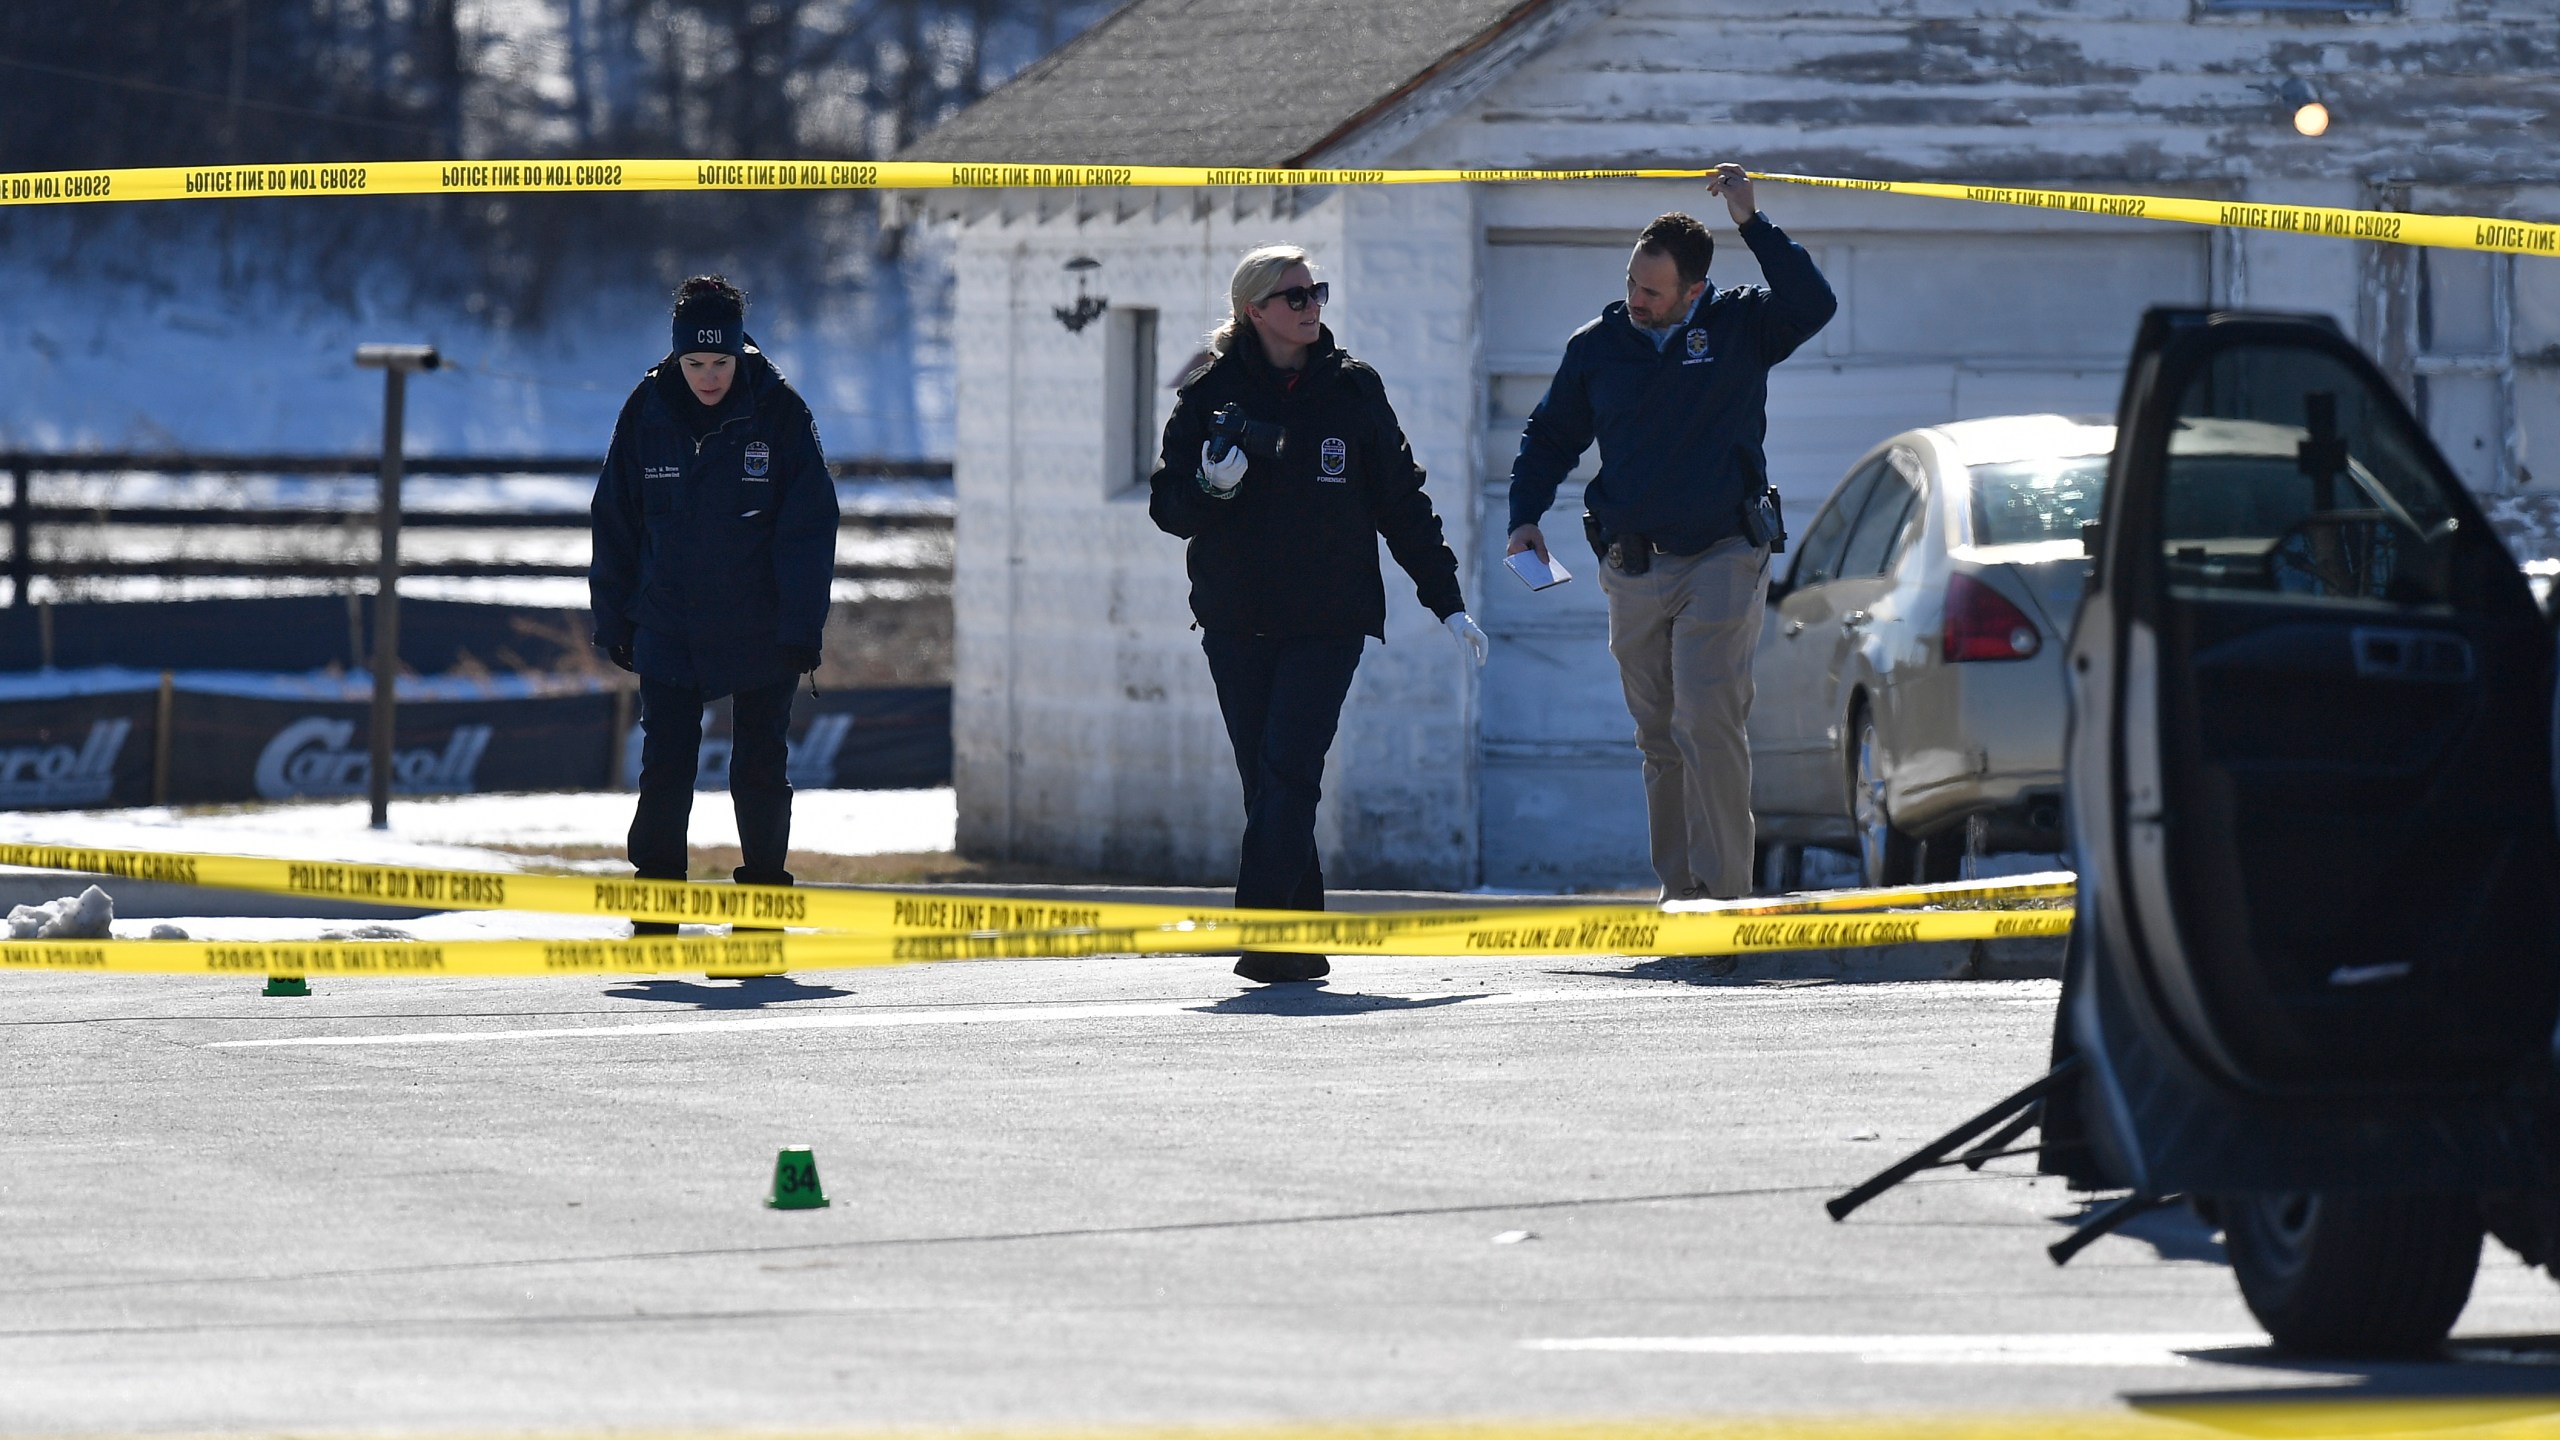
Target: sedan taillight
[[1982, 625]]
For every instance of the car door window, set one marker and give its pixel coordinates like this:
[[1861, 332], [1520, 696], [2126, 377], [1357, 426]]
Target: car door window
[[1818, 555], [2284, 478], [2344, 689], [1874, 540]]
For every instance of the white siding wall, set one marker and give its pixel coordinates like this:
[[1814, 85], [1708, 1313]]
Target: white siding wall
[[1086, 730], [2454, 100], [2005, 90], [1403, 787]]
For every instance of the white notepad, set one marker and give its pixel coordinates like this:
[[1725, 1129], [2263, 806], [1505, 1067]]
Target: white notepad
[[1538, 574]]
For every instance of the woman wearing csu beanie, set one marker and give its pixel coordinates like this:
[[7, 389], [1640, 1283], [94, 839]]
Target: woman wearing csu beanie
[[715, 534]]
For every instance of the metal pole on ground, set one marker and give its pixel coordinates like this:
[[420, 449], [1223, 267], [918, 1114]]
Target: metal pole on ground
[[164, 719], [395, 362]]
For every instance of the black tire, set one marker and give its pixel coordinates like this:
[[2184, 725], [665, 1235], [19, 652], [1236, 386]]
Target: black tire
[[1886, 856], [2353, 1274]]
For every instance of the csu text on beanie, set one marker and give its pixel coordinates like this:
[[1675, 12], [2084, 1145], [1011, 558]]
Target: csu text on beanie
[[711, 315]]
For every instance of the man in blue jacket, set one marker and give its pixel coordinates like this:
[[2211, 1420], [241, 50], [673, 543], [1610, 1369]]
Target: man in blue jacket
[[714, 526], [1674, 385]]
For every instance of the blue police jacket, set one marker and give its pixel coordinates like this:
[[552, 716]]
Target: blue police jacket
[[1680, 426], [712, 554]]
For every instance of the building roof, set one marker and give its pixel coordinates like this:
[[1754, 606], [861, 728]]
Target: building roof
[[1219, 82]]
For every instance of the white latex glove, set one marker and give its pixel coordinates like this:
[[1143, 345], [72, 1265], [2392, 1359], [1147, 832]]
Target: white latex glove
[[1221, 477], [1469, 634]]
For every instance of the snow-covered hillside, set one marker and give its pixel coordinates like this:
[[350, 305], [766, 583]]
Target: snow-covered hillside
[[230, 325], [179, 358]]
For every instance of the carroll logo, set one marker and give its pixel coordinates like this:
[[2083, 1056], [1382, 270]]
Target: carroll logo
[[811, 764], [1333, 456], [59, 775], [310, 757], [759, 459]]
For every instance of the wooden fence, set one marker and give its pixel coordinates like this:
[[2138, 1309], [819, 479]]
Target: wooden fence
[[27, 518]]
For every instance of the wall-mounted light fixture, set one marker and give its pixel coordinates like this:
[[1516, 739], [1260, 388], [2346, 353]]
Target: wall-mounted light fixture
[[1087, 307], [2301, 99]]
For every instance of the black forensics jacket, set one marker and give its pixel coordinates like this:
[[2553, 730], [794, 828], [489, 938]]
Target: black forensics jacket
[[1295, 550], [711, 552]]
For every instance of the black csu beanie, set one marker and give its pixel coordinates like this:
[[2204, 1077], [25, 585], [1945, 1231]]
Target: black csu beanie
[[711, 315]]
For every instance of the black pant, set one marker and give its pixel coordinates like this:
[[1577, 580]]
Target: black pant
[[1282, 698], [759, 785]]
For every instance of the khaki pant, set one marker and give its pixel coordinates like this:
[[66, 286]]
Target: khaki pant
[[1683, 633]]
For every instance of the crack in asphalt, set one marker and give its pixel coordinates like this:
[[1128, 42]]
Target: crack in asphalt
[[1176, 1227]]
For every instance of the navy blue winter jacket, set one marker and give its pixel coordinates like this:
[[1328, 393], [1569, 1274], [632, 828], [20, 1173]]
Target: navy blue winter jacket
[[1680, 428], [711, 554]]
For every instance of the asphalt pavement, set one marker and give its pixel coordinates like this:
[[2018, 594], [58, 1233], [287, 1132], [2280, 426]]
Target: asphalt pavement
[[1095, 1193]]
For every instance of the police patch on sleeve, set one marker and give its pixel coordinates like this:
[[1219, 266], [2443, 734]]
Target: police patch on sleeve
[[1333, 457], [759, 460]]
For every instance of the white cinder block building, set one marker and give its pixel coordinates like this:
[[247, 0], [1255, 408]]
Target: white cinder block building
[[1087, 732]]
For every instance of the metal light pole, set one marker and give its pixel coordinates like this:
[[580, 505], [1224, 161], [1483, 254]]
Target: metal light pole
[[395, 362]]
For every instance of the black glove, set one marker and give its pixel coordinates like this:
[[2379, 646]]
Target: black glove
[[620, 655], [801, 658]]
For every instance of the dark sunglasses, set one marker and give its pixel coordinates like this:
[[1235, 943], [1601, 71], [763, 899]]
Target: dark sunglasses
[[1301, 296]]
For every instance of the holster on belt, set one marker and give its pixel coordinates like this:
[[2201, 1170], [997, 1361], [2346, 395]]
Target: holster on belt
[[1626, 554]]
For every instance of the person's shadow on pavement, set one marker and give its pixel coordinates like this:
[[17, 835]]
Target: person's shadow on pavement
[[1679, 969], [1311, 998], [751, 993]]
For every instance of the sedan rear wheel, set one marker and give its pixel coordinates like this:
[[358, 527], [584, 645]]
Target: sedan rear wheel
[[1884, 853]]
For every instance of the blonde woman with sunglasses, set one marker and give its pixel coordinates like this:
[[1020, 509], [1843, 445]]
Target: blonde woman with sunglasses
[[1283, 465]]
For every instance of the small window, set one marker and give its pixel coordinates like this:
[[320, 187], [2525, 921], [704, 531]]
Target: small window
[[1129, 401]]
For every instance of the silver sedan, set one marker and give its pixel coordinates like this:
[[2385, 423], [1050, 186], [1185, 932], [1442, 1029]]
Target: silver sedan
[[1909, 683]]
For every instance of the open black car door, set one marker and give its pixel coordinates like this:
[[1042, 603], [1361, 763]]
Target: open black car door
[[2310, 772]]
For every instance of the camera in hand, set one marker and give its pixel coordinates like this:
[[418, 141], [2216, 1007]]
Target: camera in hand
[[1230, 430]]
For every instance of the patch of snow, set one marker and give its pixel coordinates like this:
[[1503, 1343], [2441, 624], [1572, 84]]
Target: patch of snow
[[85, 916], [445, 927], [183, 358], [539, 592], [567, 496], [451, 831]]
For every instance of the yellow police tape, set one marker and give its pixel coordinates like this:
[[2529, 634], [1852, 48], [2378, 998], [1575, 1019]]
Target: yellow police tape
[[880, 927], [1652, 934], [513, 177], [492, 177], [2446, 232]]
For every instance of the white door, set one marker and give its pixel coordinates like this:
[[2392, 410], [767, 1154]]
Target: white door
[[1932, 327]]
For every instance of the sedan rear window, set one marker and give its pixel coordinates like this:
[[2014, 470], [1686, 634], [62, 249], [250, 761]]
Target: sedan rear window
[[2020, 502]]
